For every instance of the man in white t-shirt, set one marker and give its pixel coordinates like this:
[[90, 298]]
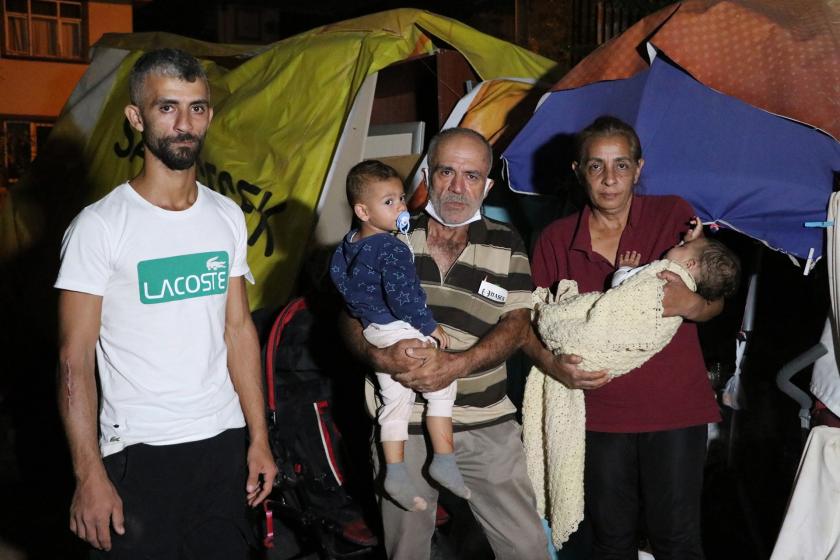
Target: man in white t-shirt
[[152, 292]]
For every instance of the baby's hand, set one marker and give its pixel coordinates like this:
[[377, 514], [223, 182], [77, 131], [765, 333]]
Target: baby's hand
[[695, 231], [629, 258], [441, 337]]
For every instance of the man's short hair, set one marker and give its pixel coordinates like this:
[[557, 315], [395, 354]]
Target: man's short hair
[[603, 127], [363, 174], [449, 133], [720, 269], [172, 63]]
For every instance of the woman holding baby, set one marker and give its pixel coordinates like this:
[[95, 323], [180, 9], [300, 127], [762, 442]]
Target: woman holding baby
[[645, 431]]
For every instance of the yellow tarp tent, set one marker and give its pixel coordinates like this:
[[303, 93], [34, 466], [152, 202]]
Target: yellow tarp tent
[[279, 114]]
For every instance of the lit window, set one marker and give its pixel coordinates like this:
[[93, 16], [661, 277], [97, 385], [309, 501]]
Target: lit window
[[43, 28], [21, 140]]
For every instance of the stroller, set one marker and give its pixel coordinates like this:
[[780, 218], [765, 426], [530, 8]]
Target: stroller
[[310, 510]]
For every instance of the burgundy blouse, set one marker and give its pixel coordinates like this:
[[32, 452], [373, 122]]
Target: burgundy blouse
[[669, 391]]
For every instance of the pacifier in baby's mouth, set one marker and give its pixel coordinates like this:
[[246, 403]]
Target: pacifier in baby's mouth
[[402, 226], [403, 222]]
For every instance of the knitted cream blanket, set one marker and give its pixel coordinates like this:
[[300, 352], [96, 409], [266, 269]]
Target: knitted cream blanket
[[615, 331]]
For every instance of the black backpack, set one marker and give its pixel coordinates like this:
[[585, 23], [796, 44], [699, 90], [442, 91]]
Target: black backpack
[[302, 357]]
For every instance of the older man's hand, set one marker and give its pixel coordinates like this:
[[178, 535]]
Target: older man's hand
[[438, 370], [398, 357]]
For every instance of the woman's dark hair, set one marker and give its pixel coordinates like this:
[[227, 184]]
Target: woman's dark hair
[[606, 126]]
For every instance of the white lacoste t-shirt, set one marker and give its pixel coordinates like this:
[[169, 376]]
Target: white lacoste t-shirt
[[163, 277]]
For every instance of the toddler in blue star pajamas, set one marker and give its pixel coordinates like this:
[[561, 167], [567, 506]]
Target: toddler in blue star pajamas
[[374, 272]]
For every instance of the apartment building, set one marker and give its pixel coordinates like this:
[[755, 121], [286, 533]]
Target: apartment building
[[45, 47]]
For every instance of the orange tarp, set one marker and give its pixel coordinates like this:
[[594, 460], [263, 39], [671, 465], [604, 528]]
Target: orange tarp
[[779, 55]]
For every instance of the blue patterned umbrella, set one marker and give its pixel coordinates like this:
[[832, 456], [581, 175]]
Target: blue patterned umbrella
[[739, 166]]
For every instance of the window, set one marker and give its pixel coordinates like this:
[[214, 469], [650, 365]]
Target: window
[[43, 28], [594, 22], [21, 140]]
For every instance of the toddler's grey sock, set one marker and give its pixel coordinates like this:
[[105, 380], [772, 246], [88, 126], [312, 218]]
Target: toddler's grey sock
[[399, 486], [445, 471]]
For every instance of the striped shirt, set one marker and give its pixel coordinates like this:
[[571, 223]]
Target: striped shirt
[[494, 258]]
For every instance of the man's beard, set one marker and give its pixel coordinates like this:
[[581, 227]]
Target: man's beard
[[176, 159], [439, 202]]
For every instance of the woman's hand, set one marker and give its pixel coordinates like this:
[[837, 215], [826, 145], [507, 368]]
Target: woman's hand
[[564, 368], [679, 301]]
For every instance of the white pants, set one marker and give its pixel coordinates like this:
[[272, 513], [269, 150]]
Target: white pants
[[397, 399]]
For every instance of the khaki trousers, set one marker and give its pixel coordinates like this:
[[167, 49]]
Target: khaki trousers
[[492, 462]]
